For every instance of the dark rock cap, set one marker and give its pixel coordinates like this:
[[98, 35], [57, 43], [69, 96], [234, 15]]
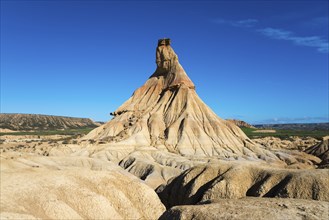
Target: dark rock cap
[[164, 41]]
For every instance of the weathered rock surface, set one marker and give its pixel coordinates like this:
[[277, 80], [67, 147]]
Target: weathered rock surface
[[291, 151], [232, 180], [251, 208], [295, 159], [293, 143], [26, 122], [321, 150], [73, 188], [155, 167]]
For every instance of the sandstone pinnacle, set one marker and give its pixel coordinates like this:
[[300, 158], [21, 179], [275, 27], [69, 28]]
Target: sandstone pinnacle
[[167, 113]]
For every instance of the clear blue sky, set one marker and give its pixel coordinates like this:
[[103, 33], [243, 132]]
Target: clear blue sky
[[259, 61]]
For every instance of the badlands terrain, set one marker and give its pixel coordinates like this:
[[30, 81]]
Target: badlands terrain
[[164, 155], [26, 122]]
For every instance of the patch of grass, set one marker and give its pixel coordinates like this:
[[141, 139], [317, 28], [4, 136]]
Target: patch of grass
[[285, 134], [51, 132]]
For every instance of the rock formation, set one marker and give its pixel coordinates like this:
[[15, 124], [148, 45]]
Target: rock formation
[[73, 188], [26, 122], [235, 180], [251, 208], [321, 150], [241, 124], [166, 113], [157, 167], [293, 143]]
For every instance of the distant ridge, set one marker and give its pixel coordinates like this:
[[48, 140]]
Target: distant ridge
[[296, 126], [27, 122], [240, 123]]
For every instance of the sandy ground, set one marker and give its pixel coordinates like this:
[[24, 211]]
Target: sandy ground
[[56, 177], [5, 130], [264, 131]]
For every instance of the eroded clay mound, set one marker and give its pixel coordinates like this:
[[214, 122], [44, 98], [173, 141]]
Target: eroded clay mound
[[240, 179], [321, 150], [73, 188], [251, 208], [293, 143], [155, 167]]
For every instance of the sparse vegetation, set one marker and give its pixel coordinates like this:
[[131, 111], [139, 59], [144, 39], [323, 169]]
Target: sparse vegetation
[[285, 134], [80, 131]]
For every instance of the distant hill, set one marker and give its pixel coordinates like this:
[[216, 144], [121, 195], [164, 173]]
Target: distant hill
[[299, 126], [241, 124], [27, 122]]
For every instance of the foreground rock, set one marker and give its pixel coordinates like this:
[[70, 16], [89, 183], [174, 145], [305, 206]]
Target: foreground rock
[[73, 188], [251, 208], [321, 150], [232, 180], [155, 167]]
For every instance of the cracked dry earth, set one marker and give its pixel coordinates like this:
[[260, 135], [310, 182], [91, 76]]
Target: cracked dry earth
[[164, 155]]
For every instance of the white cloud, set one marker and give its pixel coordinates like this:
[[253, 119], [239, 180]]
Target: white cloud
[[246, 23], [313, 41], [278, 34]]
